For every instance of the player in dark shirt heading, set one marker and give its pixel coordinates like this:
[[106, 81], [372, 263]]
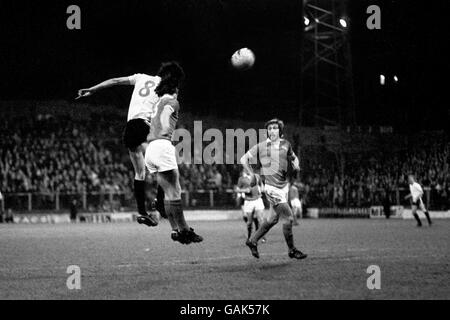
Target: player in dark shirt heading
[[160, 157]]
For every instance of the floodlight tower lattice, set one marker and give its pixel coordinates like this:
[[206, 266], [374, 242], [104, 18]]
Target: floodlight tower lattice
[[327, 92]]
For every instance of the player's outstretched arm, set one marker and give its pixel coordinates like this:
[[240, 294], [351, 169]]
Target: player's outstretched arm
[[103, 85]]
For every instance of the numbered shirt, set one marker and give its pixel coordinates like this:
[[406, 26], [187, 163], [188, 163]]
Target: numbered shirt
[[144, 99], [156, 130]]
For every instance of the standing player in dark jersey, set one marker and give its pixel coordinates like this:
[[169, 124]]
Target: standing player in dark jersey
[[253, 207], [160, 154], [274, 156]]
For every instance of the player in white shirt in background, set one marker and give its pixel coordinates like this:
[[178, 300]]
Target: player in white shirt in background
[[416, 193], [141, 110]]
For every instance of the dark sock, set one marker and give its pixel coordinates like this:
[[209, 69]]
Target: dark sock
[[173, 208], [256, 222], [288, 236], [249, 230], [139, 194], [417, 219], [428, 217], [160, 202], [160, 195]]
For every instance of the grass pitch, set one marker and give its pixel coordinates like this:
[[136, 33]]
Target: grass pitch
[[130, 261]]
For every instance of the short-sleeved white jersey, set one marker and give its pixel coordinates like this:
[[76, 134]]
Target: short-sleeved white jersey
[[144, 99], [416, 191]]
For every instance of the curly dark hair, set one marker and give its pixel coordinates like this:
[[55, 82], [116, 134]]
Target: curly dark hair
[[171, 75], [277, 121]]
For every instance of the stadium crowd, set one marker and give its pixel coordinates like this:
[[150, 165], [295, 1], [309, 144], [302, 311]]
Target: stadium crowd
[[45, 155], [368, 178]]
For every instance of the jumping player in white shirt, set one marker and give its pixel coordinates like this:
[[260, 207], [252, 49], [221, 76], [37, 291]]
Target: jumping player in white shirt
[[141, 110], [416, 193]]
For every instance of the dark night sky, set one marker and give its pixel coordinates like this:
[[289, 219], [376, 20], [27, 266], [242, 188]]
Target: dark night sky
[[41, 59]]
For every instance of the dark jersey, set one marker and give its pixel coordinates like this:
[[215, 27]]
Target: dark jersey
[[255, 191], [273, 161], [156, 129]]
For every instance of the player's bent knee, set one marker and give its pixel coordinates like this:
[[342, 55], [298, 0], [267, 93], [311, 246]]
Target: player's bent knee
[[288, 224], [172, 194], [273, 220]]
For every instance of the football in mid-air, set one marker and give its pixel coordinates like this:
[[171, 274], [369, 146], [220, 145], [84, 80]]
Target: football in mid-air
[[243, 59]]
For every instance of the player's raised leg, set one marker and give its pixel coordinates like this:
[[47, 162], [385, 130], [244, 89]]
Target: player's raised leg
[[169, 182], [264, 228], [137, 159]]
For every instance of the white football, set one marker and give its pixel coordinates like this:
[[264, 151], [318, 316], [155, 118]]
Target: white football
[[243, 58]]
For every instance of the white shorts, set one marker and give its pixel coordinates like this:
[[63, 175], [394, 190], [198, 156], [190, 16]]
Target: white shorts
[[295, 203], [253, 205], [419, 204], [160, 156], [276, 195]]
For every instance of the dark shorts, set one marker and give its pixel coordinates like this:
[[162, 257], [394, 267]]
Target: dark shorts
[[135, 133]]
